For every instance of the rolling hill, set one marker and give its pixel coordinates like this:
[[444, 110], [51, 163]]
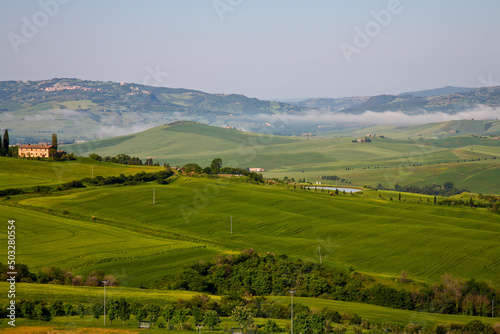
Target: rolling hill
[[137, 241], [117, 229], [468, 161]]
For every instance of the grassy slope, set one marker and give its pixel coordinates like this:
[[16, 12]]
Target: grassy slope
[[18, 173], [303, 158], [89, 295], [430, 130], [373, 235], [81, 246]]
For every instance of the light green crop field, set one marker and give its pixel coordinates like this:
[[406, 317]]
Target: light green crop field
[[137, 241], [88, 295], [384, 160], [19, 173]]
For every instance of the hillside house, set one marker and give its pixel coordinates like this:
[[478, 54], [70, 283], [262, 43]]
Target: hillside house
[[256, 169], [35, 151]]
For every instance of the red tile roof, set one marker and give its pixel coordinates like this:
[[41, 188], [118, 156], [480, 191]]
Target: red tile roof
[[36, 146]]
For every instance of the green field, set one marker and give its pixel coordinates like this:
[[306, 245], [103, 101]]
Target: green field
[[137, 241], [19, 173], [118, 229], [384, 160]]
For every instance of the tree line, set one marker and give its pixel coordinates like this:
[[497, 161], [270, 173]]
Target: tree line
[[121, 158], [57, 275], [162, 177], [201, 310], [251, 274], [447, 189], [216, 168]]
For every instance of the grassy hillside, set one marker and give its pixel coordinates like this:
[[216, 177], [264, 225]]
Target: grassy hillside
[[182, 143], [138, 241], [384, 160], [430, 130], [18, 173]]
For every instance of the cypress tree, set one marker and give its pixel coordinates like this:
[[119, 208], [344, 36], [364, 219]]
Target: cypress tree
[[54, 141], [5, 150], [1, 147]]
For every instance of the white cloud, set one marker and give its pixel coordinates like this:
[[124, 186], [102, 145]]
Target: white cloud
[[388, 117]]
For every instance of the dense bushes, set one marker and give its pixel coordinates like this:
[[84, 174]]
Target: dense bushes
[[129, 179], [251, 274], [216, 168], [448, 189]]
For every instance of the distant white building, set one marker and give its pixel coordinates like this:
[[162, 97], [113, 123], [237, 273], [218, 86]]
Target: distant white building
[[256, 169]]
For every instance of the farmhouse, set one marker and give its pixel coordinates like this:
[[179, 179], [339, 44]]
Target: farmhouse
[[256, 169], [35, 151]]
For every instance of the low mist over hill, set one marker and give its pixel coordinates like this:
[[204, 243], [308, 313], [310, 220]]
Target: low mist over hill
[[79, 110]]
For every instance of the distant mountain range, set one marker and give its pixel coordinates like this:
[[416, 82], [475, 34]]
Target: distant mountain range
[[86, 110], [439, 91], [447, 99]]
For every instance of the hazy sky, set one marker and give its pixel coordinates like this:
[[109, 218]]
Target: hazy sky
[[260, 48]]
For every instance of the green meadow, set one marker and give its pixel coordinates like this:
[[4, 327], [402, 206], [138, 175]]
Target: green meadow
[[119, 230], [137, 241], [19, 173]]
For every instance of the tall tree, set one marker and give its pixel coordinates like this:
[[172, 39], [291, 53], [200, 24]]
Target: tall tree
[[54, 141], [5, 143], [1, 147], [81, 310], [243, 316], [154, 311], [168, 314], [97, 309], [211, 319], [124, 310], [216, 165], [181, 316], [68, 310], [111, 309]]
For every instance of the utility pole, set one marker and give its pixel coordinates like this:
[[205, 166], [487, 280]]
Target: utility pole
[[154, 196], [291, 316], [92, 171], [319, 250], [104, 282], [231, 224]]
